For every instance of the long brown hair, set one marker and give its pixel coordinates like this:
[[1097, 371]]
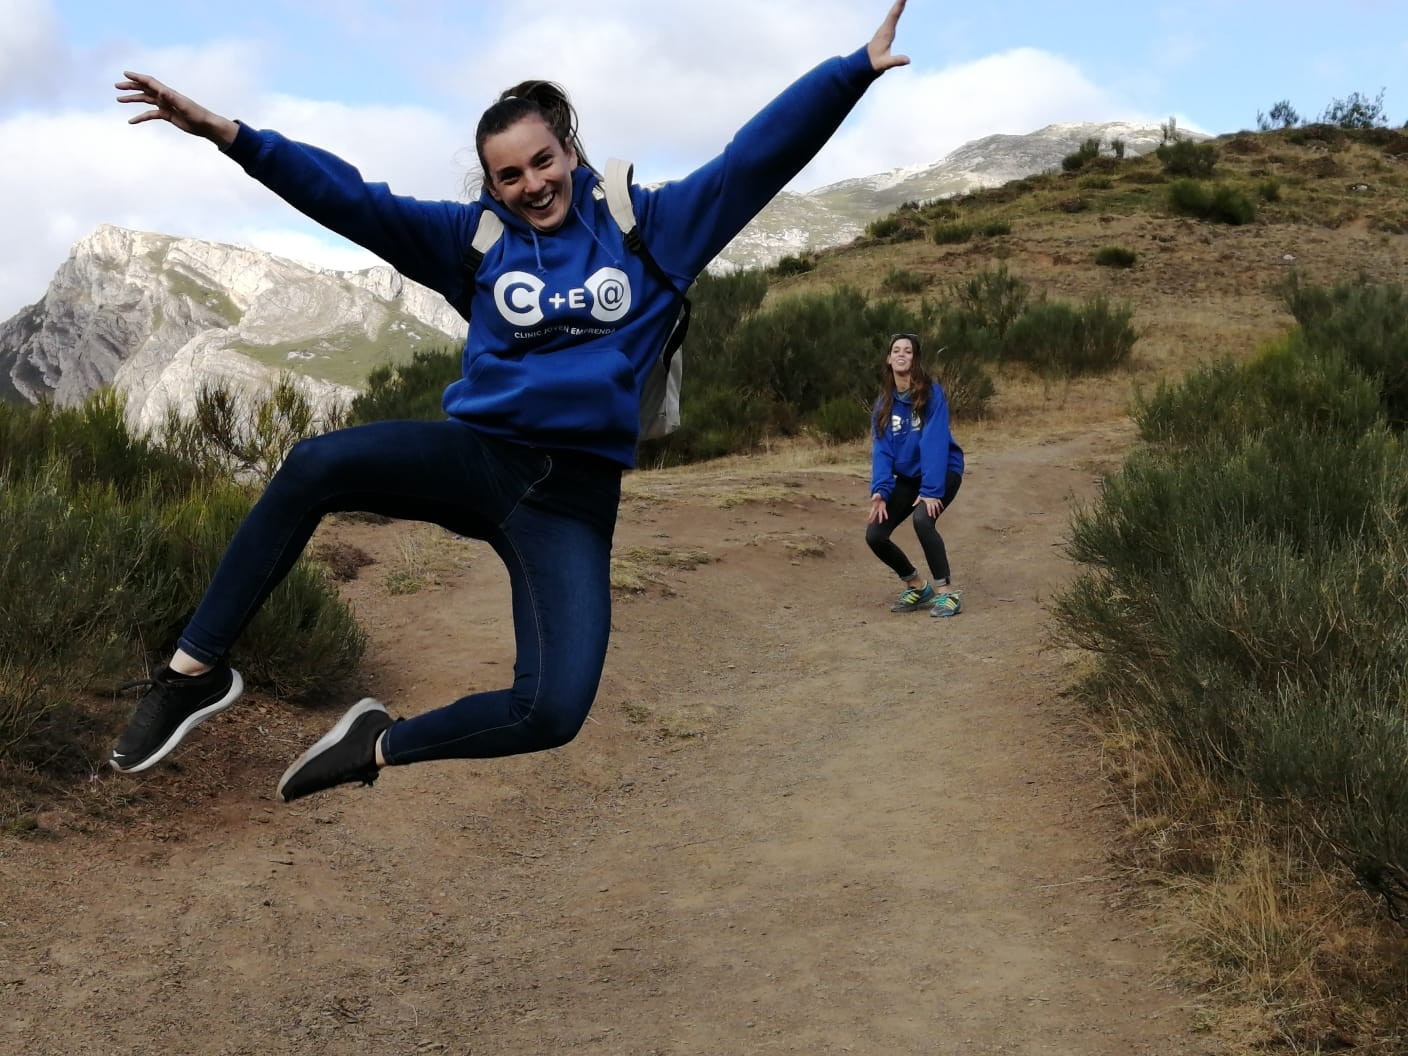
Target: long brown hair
[[542, 99], [920, 385]]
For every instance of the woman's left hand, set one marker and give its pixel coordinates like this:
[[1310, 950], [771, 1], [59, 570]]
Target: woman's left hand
[[879, 46], [933, 507]]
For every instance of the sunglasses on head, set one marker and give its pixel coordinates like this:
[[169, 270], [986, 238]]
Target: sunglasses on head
[[912, 337]]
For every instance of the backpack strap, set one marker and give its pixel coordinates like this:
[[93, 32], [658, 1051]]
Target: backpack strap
[[487, 231], [623, 210]]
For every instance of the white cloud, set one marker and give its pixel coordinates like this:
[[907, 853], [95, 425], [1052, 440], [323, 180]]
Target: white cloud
[[665, 93], [911, 118]]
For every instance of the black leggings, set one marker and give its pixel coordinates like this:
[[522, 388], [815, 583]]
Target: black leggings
[[899, 506]]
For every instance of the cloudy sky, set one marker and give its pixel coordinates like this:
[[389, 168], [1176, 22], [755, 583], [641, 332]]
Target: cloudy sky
[[396, 87]]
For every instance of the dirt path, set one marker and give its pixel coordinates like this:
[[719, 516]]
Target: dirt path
[[795, 824]]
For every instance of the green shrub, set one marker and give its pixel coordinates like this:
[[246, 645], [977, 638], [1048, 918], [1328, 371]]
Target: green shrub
[[794, 264], [1187, 158], [1115, 257], [413, 390], [994, 229], [1242, 601], [1365, 323], [1281, 115], [1231, 206], [1096, 183], [885, 227], [951, 234], [1222, 402], [841, 418], [1189, 198], [1245, 574], [994, 299], [1086, 152], [88, 443], [1269, 190], [245, 436], [1220, 204], [110, 541], [902, 280], [1356, 111], [967, 385], [1060, 339]]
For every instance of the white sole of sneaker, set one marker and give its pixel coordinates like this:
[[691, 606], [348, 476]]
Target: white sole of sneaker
[[179, 734], [327, 740]]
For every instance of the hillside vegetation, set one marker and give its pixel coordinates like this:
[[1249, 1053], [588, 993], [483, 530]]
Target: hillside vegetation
[[1241, 601]]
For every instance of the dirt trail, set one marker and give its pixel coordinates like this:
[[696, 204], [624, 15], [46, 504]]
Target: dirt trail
[[795, 824]]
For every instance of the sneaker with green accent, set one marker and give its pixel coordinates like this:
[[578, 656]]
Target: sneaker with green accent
[[946, 605], [912, 599]]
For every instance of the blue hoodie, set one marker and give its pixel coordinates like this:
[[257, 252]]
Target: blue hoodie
[[567, 324], [915, 447]]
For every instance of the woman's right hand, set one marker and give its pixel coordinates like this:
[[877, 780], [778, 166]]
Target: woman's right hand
[[171, 106], [878, 511]]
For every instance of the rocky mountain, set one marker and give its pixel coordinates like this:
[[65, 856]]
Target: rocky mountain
[[156, 315], [835, 214]]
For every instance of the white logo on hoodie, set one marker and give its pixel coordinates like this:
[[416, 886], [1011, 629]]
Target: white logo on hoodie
[[519, 296]]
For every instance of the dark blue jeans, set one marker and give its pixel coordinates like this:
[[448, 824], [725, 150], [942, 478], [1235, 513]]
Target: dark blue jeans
[[548, 514]]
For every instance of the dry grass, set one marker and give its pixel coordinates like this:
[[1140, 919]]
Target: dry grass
[[426, 556], [1275, 931], [638, 568]]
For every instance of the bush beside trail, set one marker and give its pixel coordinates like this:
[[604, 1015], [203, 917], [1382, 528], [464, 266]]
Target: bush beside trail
[[1246, 574], [110, 540]]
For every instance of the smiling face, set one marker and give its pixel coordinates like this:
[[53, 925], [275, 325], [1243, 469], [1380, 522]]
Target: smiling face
[[901, 357], [528, 169]]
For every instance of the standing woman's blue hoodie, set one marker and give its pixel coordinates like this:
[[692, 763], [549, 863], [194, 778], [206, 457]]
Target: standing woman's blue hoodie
[[920, 447], [567, 324]]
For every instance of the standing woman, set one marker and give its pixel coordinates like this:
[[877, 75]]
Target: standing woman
[[567, 323], [915, 467]]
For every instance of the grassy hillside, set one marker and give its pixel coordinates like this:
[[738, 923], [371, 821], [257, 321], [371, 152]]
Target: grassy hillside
[[1330, 204]]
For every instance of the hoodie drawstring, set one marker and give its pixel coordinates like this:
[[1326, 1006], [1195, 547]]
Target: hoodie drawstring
[[615, 258]]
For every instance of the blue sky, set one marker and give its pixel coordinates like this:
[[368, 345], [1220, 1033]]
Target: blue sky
[[396, 87]]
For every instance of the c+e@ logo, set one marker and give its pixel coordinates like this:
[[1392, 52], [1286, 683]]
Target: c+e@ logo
[[519, 295]]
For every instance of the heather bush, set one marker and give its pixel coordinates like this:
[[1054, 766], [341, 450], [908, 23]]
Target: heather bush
[[1367, 324], [885, 227], [1115, 257], [1186, 158], [110, 540], [952, 233], [1086, 152], [1065, 340], [902, 280], [1244, 576], [245, 435], [794, 264], [412, 390], [1220, 204]]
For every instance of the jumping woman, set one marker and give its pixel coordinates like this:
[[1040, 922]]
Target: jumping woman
[[568, 322]]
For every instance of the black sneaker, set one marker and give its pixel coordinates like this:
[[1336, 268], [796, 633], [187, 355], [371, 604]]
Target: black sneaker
[[171, 706], [344, 754]]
